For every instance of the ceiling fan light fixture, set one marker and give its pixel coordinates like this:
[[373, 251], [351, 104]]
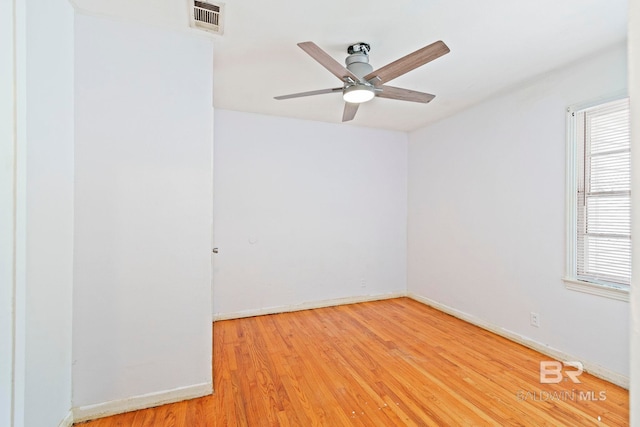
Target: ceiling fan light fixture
[[358, 93]]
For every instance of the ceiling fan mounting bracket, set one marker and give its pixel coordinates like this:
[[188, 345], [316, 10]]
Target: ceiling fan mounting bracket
[[361, 47]]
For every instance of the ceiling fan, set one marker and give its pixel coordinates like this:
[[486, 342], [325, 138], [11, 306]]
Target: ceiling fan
[[361, 83]]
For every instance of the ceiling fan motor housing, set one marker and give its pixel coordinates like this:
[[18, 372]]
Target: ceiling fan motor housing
[[358, 64]]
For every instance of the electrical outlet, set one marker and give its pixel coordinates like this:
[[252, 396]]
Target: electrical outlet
[[535, 319]]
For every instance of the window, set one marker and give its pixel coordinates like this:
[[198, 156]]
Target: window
[[599, 205]]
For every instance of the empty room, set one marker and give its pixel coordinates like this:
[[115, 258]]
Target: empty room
[[249, 213]]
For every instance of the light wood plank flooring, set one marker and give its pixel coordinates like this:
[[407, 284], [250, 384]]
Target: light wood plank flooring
[[385, 363]]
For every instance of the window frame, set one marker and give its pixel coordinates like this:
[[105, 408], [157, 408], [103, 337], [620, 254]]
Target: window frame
[[571, 281]]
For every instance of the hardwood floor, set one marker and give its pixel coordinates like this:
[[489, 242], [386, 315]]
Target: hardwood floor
[[385, 363]]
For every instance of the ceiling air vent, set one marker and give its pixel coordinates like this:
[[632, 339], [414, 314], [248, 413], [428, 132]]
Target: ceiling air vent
[[208, 16]]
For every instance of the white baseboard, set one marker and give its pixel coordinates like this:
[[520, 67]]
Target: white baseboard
[[592, 368], [67, 421], [91, 412], [307, 306]]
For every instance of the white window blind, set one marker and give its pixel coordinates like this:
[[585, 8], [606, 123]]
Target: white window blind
[[603, 247]]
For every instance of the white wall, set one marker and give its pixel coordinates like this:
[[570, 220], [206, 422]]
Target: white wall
[[306, 212], [487, 215], [634, 93], [44, 204], [7, 208], [143, 212], [38, 336]]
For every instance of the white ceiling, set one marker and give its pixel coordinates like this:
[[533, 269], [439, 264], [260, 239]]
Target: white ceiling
[[495, 44]]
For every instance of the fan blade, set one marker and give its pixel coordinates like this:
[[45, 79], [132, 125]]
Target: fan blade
[[404, 94], [311, 93], [350, 110], [407, 63], [327, 61]]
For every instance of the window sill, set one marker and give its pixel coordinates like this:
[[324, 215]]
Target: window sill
[[612, 292]]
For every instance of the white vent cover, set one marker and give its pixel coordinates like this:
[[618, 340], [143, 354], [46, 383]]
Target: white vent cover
[[207, 15]]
